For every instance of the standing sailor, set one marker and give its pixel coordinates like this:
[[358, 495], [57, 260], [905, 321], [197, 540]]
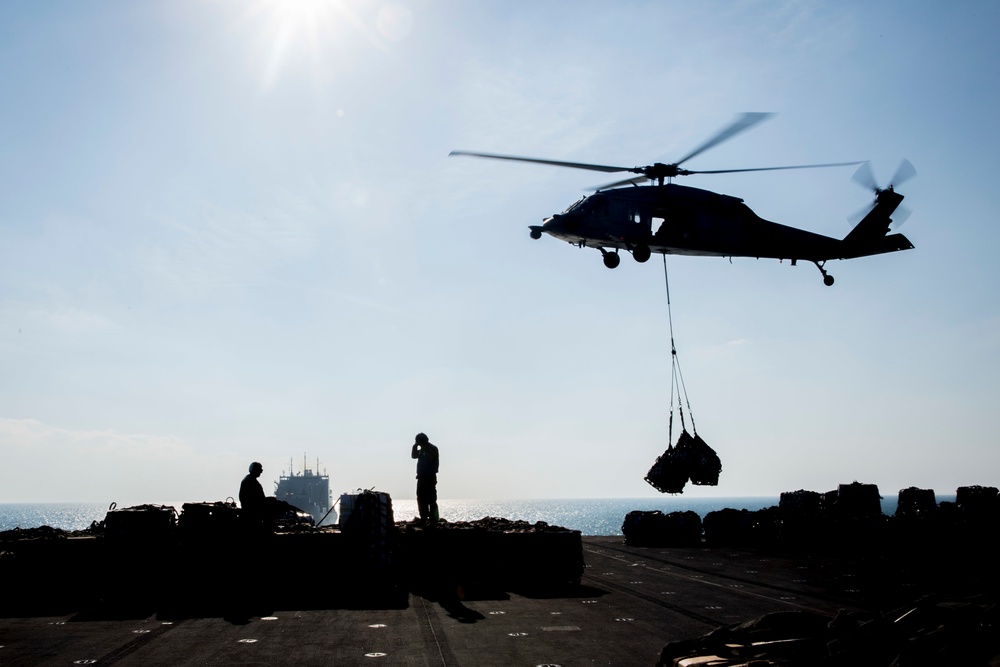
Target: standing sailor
[[426, 455], [252, 497]]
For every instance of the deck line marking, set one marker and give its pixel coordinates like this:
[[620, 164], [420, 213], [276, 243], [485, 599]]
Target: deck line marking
[[741, 591], [133, 645], [437, 642], [841, 601]]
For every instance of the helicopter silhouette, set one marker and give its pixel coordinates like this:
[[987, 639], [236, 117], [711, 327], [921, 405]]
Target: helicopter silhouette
[[672, 219]]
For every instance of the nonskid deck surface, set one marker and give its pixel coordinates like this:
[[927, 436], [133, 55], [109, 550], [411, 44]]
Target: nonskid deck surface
[[630, 603]]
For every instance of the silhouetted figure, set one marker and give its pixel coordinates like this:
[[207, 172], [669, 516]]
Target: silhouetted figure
[[426, 455], [252, 550], [252, 503]]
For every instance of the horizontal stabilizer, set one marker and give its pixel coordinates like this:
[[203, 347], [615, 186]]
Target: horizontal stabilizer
[[878, 246]]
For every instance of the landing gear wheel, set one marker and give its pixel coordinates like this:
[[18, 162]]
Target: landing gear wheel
[[611, 259], [827, 278], [641, 253]]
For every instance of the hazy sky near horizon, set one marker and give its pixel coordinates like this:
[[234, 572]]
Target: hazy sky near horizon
[[231, 231]]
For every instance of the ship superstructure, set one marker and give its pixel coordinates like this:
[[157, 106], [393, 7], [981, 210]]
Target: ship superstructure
[[308, 490]]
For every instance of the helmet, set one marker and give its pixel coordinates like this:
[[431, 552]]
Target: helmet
[[256, 467]]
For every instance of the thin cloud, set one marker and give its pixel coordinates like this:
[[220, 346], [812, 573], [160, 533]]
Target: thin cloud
[[223, 249], [46, 463]]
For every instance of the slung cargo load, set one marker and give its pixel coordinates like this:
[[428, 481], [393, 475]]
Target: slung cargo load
[[690, 459]]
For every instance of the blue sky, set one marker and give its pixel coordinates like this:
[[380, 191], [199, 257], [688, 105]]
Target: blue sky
[[230, 231]]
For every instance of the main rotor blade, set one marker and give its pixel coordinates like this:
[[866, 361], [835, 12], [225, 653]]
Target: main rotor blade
[[798, 166], [744, 122], [557, 163], [638, 180]]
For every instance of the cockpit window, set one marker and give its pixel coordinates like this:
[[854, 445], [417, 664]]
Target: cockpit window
[[595, 205], [575, 205]]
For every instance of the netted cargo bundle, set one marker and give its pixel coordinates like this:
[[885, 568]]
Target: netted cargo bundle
[[728, 526], [286, 517], [140, 524], [372, 526], [800, 504], [857, 501], [656, 529], [978, 502], [208, 520], [491, 524], [915, 502], [668, 474], [704, 464], [691, 458], [36, 533]]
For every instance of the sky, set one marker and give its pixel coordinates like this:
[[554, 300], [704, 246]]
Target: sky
[[231, 231]]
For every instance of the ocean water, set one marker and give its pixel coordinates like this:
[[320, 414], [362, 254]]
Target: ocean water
[[594, 516], [68, 516]]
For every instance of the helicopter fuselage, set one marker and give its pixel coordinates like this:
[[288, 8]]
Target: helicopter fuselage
[[678, 220]]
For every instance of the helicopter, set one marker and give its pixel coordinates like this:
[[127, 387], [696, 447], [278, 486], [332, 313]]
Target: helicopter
[[671, 219]]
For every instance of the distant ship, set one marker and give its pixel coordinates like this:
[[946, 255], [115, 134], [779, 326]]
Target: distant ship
[[308, 490]]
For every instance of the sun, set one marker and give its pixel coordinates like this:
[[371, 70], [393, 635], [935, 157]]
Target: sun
[[300, 30]]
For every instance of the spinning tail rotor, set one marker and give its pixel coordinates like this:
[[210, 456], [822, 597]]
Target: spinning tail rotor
[[866, 179]]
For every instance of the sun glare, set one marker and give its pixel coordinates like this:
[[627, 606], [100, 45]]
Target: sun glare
[[295, 29]]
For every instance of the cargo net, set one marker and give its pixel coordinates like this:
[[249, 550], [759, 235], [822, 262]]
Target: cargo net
[[691, 458]]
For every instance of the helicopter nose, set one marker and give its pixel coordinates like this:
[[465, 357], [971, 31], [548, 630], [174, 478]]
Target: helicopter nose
[[550, 224], [559, 223]]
